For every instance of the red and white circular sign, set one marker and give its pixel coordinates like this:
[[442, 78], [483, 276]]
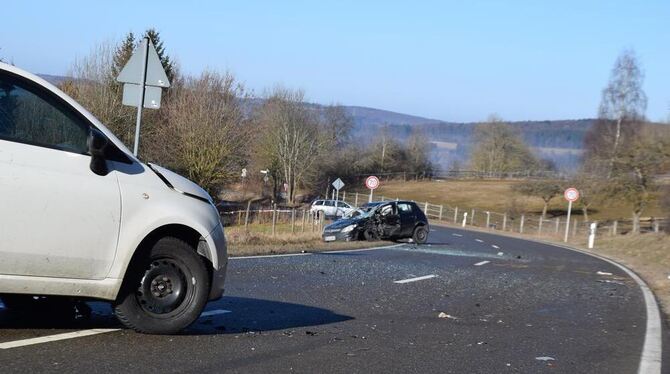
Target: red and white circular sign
[[571, 194], [372, 182]]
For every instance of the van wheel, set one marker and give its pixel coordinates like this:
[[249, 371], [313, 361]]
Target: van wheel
[[166, 292], [420, 235]]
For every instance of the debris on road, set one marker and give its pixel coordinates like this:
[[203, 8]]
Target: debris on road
[[500, 253], [603, 273], [545, 358], [445, 315]]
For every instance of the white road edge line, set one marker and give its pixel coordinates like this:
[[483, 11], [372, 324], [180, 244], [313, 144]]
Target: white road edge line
[[53, 338], [482, 263], [652, 353], [315, 253], [415, 279], [214, 312]]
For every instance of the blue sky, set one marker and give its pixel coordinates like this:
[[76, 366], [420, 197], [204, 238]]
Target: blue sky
[[455, 61]]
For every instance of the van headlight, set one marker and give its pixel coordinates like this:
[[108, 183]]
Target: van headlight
[[349, 228]]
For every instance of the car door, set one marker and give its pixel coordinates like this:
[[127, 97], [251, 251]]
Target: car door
[[329, 208], [57, 218], [407, 218], [391, 220]]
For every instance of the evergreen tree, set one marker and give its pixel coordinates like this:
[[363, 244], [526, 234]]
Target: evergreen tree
[[167, 63]]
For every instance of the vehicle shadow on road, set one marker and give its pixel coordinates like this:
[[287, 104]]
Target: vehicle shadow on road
[[256, 315], [236, 315]]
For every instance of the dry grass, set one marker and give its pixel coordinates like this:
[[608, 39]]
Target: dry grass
[[498, 196], [258, 240]]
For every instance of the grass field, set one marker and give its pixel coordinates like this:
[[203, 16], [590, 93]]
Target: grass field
[[499, 196]]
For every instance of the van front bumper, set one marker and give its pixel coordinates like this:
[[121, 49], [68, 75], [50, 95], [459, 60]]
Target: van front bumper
[[217, 245]]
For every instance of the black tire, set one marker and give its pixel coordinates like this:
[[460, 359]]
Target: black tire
[[370, 234], [165, 292], [420, 235]]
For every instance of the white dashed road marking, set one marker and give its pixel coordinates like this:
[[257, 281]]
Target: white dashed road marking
[[415, 279], [53, 338], [459, 235], [479, 241], [495, 246], [482, 263]]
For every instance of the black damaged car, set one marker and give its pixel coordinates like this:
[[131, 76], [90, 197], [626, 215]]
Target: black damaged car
[[389, 220]]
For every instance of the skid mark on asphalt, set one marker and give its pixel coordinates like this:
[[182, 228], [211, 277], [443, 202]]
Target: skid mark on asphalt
[[430, 276], [448, 252]]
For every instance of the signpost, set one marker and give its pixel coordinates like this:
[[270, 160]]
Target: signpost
[[571, 194], [338, 184], [372, 183], [142, 78]]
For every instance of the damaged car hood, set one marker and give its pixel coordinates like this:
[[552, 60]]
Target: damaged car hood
[[179, 183]]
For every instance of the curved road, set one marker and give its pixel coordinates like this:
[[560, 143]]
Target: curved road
[[468, 302]]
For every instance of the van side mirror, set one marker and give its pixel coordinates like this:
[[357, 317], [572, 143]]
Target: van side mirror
[[97, 144]]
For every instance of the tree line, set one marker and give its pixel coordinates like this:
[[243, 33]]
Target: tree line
[[210, 127]]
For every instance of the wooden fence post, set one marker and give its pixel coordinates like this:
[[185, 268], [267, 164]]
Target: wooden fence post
[[472, 218], [293, 221], [488, 220], [456, 215], [274, 218], [356, 199], [302, 227], [575, 226], [558, 224], [504, 221], [246, 217], [523, 218], [539, 226], [440, 218], [344, 196], [615, 228], [657, 227], [425, 208]]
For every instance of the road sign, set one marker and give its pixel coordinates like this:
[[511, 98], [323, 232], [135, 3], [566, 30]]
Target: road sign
[[338, 184], [571, 194], [372, 182], [142, 78]]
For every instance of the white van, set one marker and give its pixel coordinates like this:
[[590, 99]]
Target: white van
[[81, 217]]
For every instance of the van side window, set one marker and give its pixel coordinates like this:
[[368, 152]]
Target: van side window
[[29, 115]]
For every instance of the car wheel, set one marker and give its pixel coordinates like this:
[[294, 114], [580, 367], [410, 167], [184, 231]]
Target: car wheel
[[166, 292], [370, 234], [420, 235]]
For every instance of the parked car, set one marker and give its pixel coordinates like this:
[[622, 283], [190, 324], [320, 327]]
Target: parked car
[[391, 220], [82, 217], [330, 208]]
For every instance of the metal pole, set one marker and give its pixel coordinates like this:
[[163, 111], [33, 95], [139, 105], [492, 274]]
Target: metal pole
[[567, 222], [370, 200], [140, 104]]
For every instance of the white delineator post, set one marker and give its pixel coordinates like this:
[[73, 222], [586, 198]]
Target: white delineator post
[[465, 219], [592, 234]]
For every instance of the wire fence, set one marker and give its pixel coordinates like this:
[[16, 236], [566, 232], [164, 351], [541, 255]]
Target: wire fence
[[529, 224]]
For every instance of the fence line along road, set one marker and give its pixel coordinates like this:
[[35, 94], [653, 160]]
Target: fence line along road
[[523, 223]]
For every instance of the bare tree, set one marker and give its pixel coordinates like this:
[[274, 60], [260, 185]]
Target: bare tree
[[204, 136], [546, 190], [290, 137], [620, 115], [500, 149]]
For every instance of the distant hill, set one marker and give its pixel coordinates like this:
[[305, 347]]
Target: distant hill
[[559, 141]]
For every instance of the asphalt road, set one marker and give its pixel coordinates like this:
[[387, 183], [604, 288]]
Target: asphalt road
[[466, 303]]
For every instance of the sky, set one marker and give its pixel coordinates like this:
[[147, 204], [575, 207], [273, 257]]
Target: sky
[[448, 60]]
